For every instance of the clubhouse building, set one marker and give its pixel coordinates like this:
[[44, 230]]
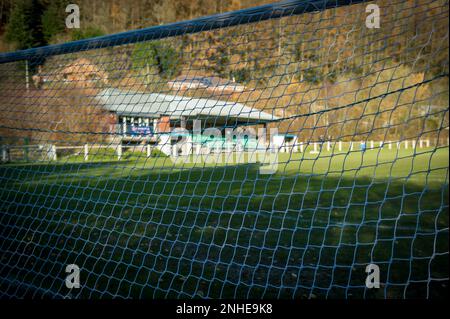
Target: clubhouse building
[[155, 118]]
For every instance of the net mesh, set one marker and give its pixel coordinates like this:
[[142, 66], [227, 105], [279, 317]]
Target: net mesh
[[269, 152]]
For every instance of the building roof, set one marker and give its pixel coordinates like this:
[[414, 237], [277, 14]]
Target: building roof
[[129, 103], [81, 73], [206, 82]]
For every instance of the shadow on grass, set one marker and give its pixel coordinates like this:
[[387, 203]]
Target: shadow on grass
[[224, 232]]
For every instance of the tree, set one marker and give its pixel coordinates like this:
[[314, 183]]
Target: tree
[[53, 19], [157, 54], [218, 59], [5, 8], [25, 26]]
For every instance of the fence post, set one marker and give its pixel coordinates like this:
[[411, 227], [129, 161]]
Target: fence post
[[119, 151], [229, 147], [4, 154], [371, 144], [149, 151], [420, 143], [413, 142], [175, 150], [301, 147], [427, 143], [390, 145], [340, 146], [26, 140], [406, 144], [398, 145], [86, 152], [351, 146], [53, 150]]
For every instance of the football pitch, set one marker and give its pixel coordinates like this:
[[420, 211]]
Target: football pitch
[[152, 228]]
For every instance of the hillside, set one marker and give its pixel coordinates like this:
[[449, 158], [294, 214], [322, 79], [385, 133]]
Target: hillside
[[324, 72]]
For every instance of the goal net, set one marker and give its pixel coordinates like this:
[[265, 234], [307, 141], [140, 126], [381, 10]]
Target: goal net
[[291, 150]]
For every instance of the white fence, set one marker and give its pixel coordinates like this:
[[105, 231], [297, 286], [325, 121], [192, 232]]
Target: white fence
[[50, 152], [118, 149], [87, 148], [340, 146]]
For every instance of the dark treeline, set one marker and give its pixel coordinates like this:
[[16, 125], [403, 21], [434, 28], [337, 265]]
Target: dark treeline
[[45, 19]]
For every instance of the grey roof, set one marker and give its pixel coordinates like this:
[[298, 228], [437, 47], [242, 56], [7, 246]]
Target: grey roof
[[129, 103], [205, 81]]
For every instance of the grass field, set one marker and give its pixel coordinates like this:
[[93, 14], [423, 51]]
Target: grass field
[[150, 228]]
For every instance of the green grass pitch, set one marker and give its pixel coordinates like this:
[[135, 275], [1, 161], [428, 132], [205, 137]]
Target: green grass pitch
[[148, 227]]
